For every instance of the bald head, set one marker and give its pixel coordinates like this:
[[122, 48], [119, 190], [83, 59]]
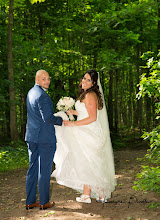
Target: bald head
[[40, 72], [42, 79]]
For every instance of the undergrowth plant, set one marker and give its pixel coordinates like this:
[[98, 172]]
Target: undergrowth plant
[[149, 178], [14, 155]]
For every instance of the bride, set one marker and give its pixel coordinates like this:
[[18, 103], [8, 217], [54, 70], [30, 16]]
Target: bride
[[84, 157]]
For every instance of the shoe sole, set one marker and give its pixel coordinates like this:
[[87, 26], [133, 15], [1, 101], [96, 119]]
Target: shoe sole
[[83, 201]]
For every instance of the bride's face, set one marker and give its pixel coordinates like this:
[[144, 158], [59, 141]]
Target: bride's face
[[86, 82]]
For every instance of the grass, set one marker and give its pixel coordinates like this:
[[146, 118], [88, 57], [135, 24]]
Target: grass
[[13, 156]]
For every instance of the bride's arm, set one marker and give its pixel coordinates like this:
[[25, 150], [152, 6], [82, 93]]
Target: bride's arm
[[90, 102]]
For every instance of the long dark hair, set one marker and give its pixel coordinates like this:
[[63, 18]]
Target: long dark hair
[[94, 88]]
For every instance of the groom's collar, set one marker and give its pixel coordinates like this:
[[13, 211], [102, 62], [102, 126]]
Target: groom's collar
[[41, 87]]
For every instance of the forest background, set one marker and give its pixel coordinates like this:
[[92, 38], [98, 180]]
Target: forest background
[[120, 39]]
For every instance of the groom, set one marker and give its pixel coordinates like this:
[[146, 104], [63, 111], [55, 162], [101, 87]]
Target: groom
[[41, 141]]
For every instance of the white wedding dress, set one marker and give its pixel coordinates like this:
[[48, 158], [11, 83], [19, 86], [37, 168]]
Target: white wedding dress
[[84, 156]]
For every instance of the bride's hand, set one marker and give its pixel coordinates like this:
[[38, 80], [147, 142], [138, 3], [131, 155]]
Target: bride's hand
[[70, 111], [68, 123]]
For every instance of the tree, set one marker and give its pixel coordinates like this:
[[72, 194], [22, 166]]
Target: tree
[[68, 37], [13, 123]]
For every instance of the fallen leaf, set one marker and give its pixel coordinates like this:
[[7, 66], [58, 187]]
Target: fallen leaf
[[48, 213]]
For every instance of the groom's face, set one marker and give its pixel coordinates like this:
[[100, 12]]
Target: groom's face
[[43, 80]]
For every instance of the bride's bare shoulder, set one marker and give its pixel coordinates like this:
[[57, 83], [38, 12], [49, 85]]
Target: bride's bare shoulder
[[90, 99], [91, 96]]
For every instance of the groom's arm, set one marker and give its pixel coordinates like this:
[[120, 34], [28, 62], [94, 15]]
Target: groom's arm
[[46, 111]]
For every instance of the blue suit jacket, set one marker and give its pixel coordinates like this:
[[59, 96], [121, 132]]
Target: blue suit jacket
[[40, 118]]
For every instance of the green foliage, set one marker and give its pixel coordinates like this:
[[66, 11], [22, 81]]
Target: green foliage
[[13, 156], [68, 37], [36, 1], [153, 154], [154, 205], [150, 81], [149, 178]]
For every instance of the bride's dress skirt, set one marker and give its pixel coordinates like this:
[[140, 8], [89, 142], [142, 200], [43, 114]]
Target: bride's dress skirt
[[84, 156]]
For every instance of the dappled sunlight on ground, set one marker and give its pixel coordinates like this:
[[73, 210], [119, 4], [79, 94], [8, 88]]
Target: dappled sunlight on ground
[[125, 204]]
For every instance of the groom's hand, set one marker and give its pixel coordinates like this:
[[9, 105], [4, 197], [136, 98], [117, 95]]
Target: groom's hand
[[68, 123]]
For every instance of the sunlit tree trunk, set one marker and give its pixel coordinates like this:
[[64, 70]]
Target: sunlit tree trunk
[[13, 123]]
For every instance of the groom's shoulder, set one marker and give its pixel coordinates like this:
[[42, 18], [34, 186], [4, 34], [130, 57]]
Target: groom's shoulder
[[36, 88], [35, 91]]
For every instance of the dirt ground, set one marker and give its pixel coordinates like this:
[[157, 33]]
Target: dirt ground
[[125, 204]]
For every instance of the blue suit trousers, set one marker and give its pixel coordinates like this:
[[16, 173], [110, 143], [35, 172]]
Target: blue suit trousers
[[40, 167]]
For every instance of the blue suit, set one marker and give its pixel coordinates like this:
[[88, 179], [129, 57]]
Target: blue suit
[[41, 141]]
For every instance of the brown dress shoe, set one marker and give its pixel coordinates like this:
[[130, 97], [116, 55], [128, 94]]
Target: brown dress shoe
[[31, 206], [47, 205]]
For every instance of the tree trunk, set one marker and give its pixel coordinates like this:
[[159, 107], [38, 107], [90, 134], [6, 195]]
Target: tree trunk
[[110, 102], [13, 123], [148, 109], [116, 103], [138, 107], [130, 102]]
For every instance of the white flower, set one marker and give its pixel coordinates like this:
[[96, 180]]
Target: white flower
[[65, 103]]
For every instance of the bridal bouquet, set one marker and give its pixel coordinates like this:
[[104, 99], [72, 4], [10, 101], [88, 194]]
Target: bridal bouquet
[[65, 104]]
